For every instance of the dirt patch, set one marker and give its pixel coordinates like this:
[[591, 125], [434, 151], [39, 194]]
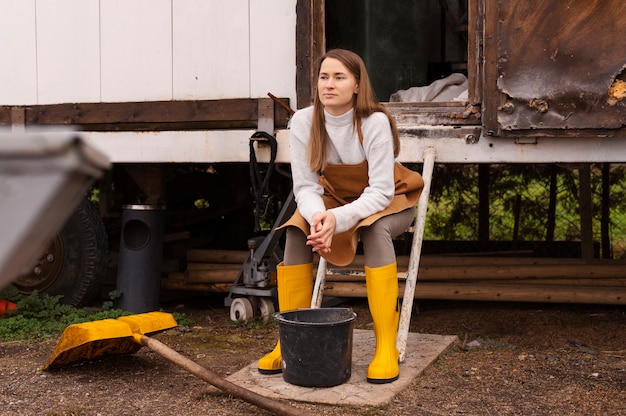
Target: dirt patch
[[512, 359]]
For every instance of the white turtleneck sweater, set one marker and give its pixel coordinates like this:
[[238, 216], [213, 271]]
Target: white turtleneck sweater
[[345, 149]]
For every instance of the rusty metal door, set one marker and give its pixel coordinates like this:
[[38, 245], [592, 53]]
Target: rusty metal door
[[554, 68]]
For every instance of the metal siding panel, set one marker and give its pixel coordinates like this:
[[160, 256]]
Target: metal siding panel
[[136, 42], [560, 77], [18, 72], [68, 51], [211, 49], [273, 48]]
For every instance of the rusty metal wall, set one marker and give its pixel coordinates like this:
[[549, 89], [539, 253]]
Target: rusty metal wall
[[560, 64]]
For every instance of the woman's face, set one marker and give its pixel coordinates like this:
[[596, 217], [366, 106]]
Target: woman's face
[[336, 87]]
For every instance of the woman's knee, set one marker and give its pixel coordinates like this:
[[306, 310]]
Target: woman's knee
[[392, 225], [377, 239]]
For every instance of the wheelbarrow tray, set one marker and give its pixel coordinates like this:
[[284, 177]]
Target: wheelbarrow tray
[[43, 176]]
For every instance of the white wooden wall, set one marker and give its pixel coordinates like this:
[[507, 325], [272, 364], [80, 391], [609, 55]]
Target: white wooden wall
[[64, 51]]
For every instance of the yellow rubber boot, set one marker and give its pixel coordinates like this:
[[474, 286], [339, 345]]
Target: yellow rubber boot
[[295, 288], [382, 296]]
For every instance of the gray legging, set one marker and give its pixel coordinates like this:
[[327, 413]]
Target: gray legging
[[377, 240]]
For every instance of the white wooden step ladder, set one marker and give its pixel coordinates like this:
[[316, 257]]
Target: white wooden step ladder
[[414, 258]]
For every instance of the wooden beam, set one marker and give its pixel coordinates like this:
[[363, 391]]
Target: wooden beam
[[208, 272], [239, 256], [490, 96], [475, 19], [465, 292], [153, 115], [571, 282], [511, 279], [508, 293]]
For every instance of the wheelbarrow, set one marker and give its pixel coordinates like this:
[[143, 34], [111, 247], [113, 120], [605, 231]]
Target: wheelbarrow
[[43, 177], [127, 334]]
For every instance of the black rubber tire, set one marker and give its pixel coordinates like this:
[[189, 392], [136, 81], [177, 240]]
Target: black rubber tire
[[82, 246]]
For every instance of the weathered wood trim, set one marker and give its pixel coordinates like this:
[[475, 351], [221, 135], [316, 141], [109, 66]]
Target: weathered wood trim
[[475, 57], [446, 113], [150, 115], [303, 52], [490, 94], [565, 134], [310, 46]]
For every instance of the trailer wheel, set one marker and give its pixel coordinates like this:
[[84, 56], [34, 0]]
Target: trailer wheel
[[74, 264]]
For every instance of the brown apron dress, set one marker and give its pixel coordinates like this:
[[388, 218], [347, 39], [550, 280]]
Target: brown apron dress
[[345, 183]]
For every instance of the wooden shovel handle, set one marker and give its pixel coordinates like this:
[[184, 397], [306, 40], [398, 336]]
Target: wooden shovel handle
[[217, 381]]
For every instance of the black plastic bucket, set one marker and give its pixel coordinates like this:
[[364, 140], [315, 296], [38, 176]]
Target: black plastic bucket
[[316, 346]]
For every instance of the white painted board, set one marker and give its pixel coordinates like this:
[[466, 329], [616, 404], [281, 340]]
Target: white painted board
[[173, 146], [18, 70], [272, 49], [68, 51], [60, 51], [136, 42], [209, 146], [210, 49]]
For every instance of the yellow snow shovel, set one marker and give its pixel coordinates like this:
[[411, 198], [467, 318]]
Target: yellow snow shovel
[[90, 340], [127, 334]]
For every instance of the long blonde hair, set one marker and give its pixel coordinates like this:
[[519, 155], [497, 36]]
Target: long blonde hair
[[364, 104]]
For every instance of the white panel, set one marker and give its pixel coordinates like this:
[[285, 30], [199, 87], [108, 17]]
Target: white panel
[[136, 42], [174, 146], [273, 48], [68, 51], [210, 49], [18, 70], [208, 146]]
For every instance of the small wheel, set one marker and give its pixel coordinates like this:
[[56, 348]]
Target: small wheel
[[241, 310], [266, 308]]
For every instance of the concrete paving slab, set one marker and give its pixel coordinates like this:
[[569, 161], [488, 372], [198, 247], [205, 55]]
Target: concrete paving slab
[[421, 351]]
